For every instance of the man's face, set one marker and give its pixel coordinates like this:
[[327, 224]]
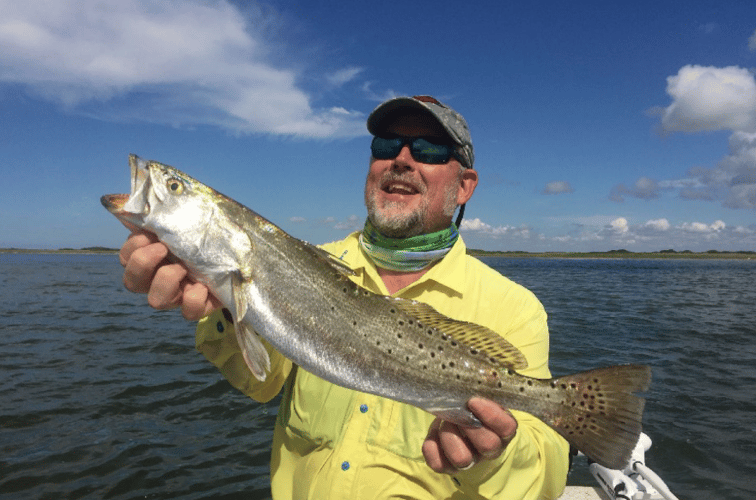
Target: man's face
[[405, 197]]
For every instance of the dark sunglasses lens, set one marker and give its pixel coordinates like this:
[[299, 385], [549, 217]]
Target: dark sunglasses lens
[[385, 149], [421, 149], [427, 152]]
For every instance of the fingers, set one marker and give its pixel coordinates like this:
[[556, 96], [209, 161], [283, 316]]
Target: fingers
[[140, 256], [166, 289], [197, 302], [147, 271], [499, 428], [449, 448], [434, 455], [446, 449]]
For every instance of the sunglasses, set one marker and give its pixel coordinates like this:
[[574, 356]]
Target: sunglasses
[[422, 150]]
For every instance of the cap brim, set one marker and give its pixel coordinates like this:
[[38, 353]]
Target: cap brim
[[376, 121]]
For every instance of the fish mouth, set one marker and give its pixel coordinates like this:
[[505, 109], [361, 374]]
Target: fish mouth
[[114, 202], [132, 208]]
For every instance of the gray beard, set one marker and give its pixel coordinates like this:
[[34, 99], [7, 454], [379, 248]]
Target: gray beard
[[405, 224]]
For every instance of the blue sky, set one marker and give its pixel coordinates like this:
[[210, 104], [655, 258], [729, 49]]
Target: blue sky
[[597, 125]]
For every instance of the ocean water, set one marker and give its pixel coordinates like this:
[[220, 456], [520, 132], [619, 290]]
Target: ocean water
[[103, 397]]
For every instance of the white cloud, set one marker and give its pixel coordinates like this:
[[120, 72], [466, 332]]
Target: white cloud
[[478, 226], [752, 41], [191, 63], [474, 225], [619, 225], [557, 187], [352, 223], [644, 188], [708, 98], [700, 227], [658, 224], [343, 76]]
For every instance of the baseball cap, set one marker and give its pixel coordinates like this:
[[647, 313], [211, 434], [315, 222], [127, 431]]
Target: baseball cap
[[454, 124]]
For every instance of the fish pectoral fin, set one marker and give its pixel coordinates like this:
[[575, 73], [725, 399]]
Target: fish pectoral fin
[[254, 352], [332, 261], [470, 334], [240, 300]]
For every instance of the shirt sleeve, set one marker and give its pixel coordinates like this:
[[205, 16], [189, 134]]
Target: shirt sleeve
[[215, 338]]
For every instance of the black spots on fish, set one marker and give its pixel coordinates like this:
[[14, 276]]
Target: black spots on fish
[[586, 422]]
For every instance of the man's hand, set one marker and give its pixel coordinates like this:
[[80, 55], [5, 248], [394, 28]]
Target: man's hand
[[147, 270], [449, 448]]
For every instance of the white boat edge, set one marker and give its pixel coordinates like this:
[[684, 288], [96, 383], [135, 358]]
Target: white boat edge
[[583, 493]]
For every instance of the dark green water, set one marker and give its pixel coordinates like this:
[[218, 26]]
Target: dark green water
[[102, 397]]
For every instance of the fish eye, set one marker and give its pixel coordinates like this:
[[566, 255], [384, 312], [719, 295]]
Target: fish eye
[[175, 186]]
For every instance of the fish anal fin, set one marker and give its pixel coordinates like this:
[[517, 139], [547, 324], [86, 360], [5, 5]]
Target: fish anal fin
[[472, 335]]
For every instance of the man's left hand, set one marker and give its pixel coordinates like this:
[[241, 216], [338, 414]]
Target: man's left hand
[[449, 448]]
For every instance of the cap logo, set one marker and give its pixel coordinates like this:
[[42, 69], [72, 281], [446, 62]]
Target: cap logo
[[427, 98]]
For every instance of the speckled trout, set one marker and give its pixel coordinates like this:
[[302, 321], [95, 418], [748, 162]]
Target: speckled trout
[[302, 302]]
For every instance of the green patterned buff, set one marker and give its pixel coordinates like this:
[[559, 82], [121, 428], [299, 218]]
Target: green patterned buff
[[407, 254]]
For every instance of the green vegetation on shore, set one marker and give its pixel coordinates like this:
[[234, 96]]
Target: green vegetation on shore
[[620, 254]]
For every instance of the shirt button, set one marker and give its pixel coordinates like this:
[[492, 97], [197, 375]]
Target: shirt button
[[345, 466], [363, 408], [219, 326]]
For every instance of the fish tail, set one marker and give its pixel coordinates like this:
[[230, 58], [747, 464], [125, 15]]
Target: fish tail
[[600, 415]]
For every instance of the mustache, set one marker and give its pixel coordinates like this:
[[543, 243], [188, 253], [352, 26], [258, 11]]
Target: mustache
[[392, 176]]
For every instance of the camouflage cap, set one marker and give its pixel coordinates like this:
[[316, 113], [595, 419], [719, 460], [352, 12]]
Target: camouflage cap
[[454, 124]]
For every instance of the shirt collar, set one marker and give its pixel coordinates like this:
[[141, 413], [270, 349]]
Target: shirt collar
[[449, 272]]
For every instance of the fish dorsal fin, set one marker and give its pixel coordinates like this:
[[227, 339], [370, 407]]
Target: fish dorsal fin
[[472, 335], [332, 261]]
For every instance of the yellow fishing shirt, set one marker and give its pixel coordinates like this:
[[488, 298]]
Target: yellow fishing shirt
[[333, 443]]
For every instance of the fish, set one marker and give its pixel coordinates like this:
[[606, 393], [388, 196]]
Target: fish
[[301, 301]]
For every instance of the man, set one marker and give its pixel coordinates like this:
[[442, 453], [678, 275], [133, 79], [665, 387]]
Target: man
[[330, 442]]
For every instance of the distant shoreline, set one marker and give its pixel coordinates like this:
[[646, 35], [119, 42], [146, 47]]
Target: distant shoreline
[[613, 254], [88, 250], [619, 254]]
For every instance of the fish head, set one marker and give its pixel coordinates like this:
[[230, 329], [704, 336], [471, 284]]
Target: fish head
[[164, 201]]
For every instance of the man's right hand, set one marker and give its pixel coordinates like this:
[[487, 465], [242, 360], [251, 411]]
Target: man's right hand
[[147, 270]]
